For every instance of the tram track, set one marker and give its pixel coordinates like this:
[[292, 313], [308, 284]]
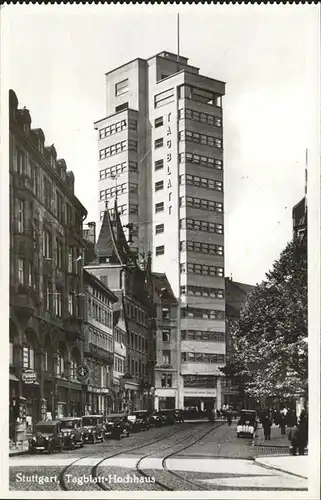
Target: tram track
[[98, 486]]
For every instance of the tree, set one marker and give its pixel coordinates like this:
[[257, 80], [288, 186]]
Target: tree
[[269, 355]]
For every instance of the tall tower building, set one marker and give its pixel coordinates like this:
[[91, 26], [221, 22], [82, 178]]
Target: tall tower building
[[160, 148]]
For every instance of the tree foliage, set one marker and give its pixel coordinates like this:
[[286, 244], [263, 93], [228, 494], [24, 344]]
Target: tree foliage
[[268, 356]]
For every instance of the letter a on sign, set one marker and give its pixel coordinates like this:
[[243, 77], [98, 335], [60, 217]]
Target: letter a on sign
[[169, 185], [169, 131]]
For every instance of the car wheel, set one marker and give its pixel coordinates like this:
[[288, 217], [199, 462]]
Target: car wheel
[[72, 444]]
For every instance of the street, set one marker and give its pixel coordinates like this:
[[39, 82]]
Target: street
[[187, 456]]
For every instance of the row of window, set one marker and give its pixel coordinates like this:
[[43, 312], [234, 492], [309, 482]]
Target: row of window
[[101, 297], [201, 335], [195, 312], [202, 357], [164, 98], [200, 247], [166, 380], [136, 367], [120, 189], [206, 140], [120, 336], [114, 128], [28, 361], [201, 225], [136, 341], [135, 313], [99, 373], [119, 168], [203, 161], [202, 182], [200, 95], [115, 149], [119, 364], [201, 204], [25, 272], [192, 114], [99, 312], [101, 339], [202, 269], [202, 291]]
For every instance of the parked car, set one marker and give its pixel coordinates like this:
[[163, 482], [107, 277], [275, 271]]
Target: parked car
[[94, 428], [72, 431], [168, 416], [156, 420], [47, 437], [116, 425], [142, 422], [247, 423]]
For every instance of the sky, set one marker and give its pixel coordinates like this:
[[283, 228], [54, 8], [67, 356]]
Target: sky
[[56, 58]]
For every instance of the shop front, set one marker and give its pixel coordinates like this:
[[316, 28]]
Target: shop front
[[98, 400]]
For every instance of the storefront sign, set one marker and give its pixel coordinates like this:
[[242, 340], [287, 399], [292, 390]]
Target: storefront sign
[[98, 390], [29, 376]]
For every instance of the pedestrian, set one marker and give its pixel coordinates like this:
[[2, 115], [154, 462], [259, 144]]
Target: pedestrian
[[267, 423], [294, 439], [229, 419], [282, 424]]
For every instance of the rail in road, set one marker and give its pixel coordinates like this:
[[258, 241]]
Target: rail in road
[[139, 471]]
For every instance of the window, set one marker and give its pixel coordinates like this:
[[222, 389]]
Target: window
[[166, 357], [204, 161], [21, 216], [121, 107], [121, 87], [48, 296], [20, 271], [133, 166], [160, 250], [58, 304], [191, 114], [132, 145], [114, 128], [28, 357], [132, 125], [70, 303], [166, 335], [199, 225], [200, 357], [200, 95], [193, 312], [59, 254], [203, 335], [201, 204], [166, 313], [159, 143], [119, 168], [202, 269], [200, 247], [70, 260], [47, 244], [207, 140], [202, 182], [115, 149], [159, 228], [166, 380], [164, 98], [110, 192], [30, 275], [158, 122], [159, 164], [60, 367], [159, 185], [159, 207], [199, 291]]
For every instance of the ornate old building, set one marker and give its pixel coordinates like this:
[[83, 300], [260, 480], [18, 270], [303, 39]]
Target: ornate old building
[[116, 266], [46, 278]]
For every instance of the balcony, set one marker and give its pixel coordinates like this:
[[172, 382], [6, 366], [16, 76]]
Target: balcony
[[24, 301], [97, 352]]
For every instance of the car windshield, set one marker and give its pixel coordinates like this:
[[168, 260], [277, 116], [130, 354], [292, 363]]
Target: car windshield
[[91, 420], [70, 424], [45, 428], [112, 418]]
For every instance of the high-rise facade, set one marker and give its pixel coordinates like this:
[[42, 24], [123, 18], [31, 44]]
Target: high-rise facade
[[160, 148]]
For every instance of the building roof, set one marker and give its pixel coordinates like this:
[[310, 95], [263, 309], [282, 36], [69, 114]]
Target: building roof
[[163, 287], [91, 278], [112, 244]]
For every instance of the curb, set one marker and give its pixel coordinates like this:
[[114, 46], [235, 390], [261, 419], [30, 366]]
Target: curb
[[278, 469], [15, 454]]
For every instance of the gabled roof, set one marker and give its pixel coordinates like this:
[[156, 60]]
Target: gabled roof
[[163, 287], [112, 243]]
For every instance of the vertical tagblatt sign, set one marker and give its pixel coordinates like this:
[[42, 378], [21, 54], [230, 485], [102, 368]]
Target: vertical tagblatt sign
[[169, 162]]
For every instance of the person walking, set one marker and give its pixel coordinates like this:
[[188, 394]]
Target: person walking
[[282, 423], [267, 423], [294, 439]]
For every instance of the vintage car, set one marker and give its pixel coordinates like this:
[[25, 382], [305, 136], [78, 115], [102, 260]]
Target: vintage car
[[94, 428], [117, 424], [142, 422], [156, 420], [247, 423], [168, 416], [47, 437], [72, 431]]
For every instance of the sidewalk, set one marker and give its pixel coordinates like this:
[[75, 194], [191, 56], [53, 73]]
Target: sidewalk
[[18, 448], [277, 440], [296, 465]]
